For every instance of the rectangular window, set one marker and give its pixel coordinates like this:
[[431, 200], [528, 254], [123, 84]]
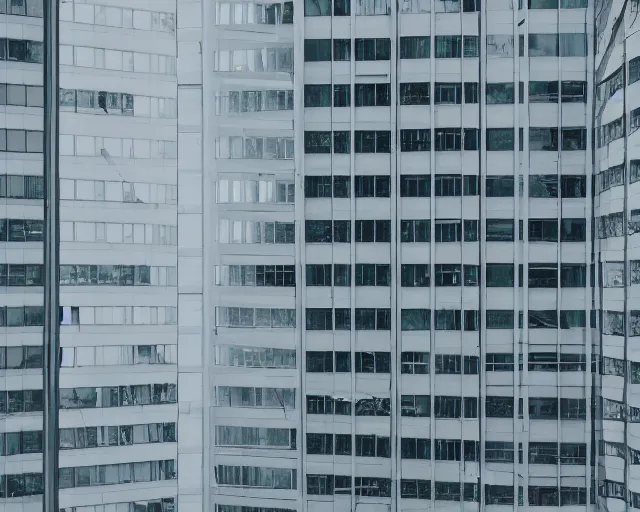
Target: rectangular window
[[471, 91], [415, 47], [317, 50], [317, 95], [499, 230], [372, 95], [574, 139], [573, 186], [500, 319], [415, 185], [448, 47], [373, 186], [447, 407], [417, 93], [369, 141], [448, 139], [574, 92], [573, 275], [499, 186], [543, 45], [499, 274], [317, 8], [317, 142], [573, 230], [371, 274], [415, 363], [500, 139], [448, 93], [498, 362], [543, 139], [341, 142], [341, 95], [373, 49], [543, 230], [500, 93], [373, 230], [543, 92], [412, 231], [318, 275], [417, 139], [448, 231], [341, 50]]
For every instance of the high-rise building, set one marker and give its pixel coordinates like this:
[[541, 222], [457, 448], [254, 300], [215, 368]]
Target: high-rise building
[[327, 255], [118, 255]]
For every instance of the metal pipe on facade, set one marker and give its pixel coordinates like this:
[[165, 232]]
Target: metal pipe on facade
[[51, 331]]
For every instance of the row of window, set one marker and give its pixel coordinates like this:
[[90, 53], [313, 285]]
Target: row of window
[[21, 141], [265, 357], [118, 191], [277, 59], [327, 485], [446, 47], [243, 13], [444, 449], [417, 363], [541, 275], [156, 505], [33, 8], [21, 95], [446, 185], [240, 102], [446, 139], [31, 400], [236, 396], [255, 232], [30, 484], [114, 275], [251, 476], [256, 191], [283, 438], [30, 441], [116, 355], [118, 315], [380, 362], [266, 148], [451, 407], [255, 275], [497, 230], [84, 101], [255, 357], [369, 319], [108, 147], [108, 16], [445, 93], [383, 7], [116, 60], [118, 233], [255, 317]]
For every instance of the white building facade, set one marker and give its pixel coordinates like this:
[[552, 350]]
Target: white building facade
[[327, 254], [118, 252]]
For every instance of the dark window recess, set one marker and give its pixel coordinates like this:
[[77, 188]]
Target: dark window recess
[[373, 231], [341, 95], [317, 50], [415, 231], [573, 186], [543, 185], [372, 95], [448, 93], [415, 185], [317, 95], [417, 139], [317, 142], [499, 230], [373, 186], [415, 47], [371, 274], [341, 49], [499, 186], [321, 186], [341, 142], [456, 185], [373, 49], [369, 141], [417, 93]]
